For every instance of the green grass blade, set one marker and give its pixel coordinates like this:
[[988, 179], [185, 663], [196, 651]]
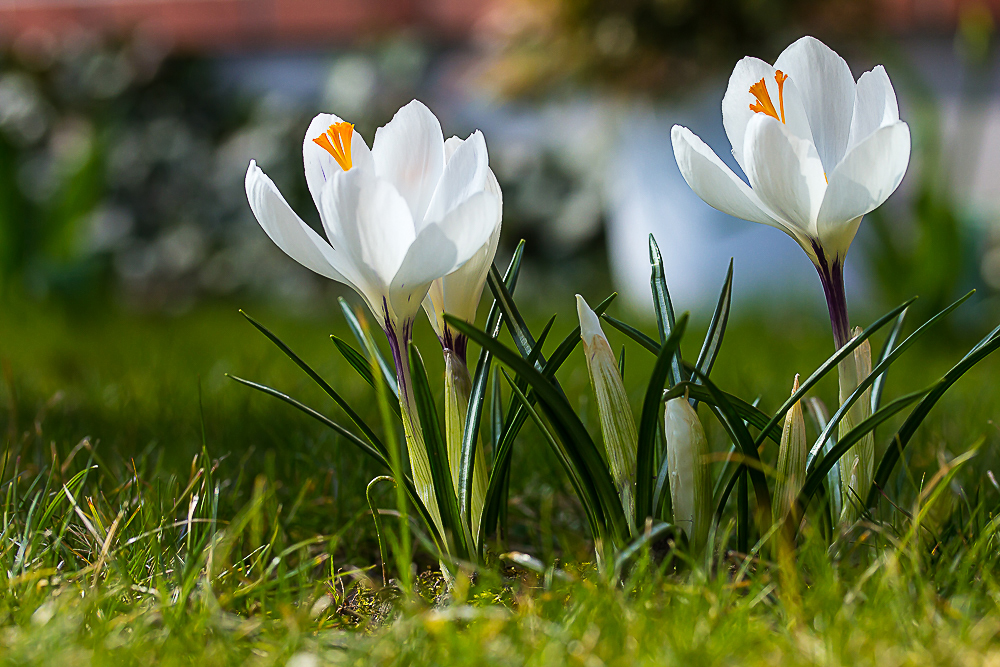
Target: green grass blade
[[828, 366], [821, 466], [377, 451], [717, 327], [878, 371], [663, 307], [584, 491], [323, 384], [633, 333], [749, 413], [580, 446], [473, 418], [651, 407], [366, 342], [523, 339], [437, 453], [887, 347], [737, 430], [902, 437], [355, 359], [644, 540]]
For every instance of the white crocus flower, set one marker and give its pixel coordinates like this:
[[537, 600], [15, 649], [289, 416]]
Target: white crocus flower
[[397, 217], [819, 150]]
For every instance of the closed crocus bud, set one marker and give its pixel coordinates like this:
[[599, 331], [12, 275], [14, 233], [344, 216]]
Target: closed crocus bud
[[617, 423], [687, 462], [857, 465], [791, 458]]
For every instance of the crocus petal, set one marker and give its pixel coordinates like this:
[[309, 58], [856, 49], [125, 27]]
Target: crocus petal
[[784, 171], [736, 103], [826, 86], [384, 229], [287, 230], [868, 175], [338, 206], [441, 247], [320, 166], [451, 145], [875, 105], [713, 181], [433, 305], [409, 153], [464, 175]]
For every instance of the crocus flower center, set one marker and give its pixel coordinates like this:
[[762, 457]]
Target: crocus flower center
[[764, 104], [337, 142]]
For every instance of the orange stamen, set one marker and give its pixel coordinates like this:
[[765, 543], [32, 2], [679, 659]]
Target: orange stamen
[[337, 142], [764, 104], [780, 77]]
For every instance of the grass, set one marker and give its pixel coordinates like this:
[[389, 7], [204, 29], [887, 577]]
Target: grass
[[154, 512]]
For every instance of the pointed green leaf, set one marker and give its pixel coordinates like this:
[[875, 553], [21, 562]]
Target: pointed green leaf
[[663, 307], [323, 384], [633, 333], [877, 372], [647, 423], [473, 417], [887, 347], [567, 426], [817, 472], [366, 342], [717, 327], [827, 366], [902, 438], [437, 454]]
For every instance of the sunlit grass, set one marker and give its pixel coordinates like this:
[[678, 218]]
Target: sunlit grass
[[203, 523]]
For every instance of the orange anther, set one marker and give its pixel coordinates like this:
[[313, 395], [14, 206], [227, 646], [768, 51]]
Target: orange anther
[[764, 104], [337, 142]]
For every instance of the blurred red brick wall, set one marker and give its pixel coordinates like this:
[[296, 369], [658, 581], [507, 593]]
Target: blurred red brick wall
[[227, 24], [208, 25]]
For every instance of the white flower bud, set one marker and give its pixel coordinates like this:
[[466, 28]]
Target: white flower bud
[[687, 463], [617, 423], [791, 459]]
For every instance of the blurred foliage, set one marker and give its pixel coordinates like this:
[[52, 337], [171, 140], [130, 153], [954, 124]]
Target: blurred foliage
[[120, 167], [931, 243], [650, 46]]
